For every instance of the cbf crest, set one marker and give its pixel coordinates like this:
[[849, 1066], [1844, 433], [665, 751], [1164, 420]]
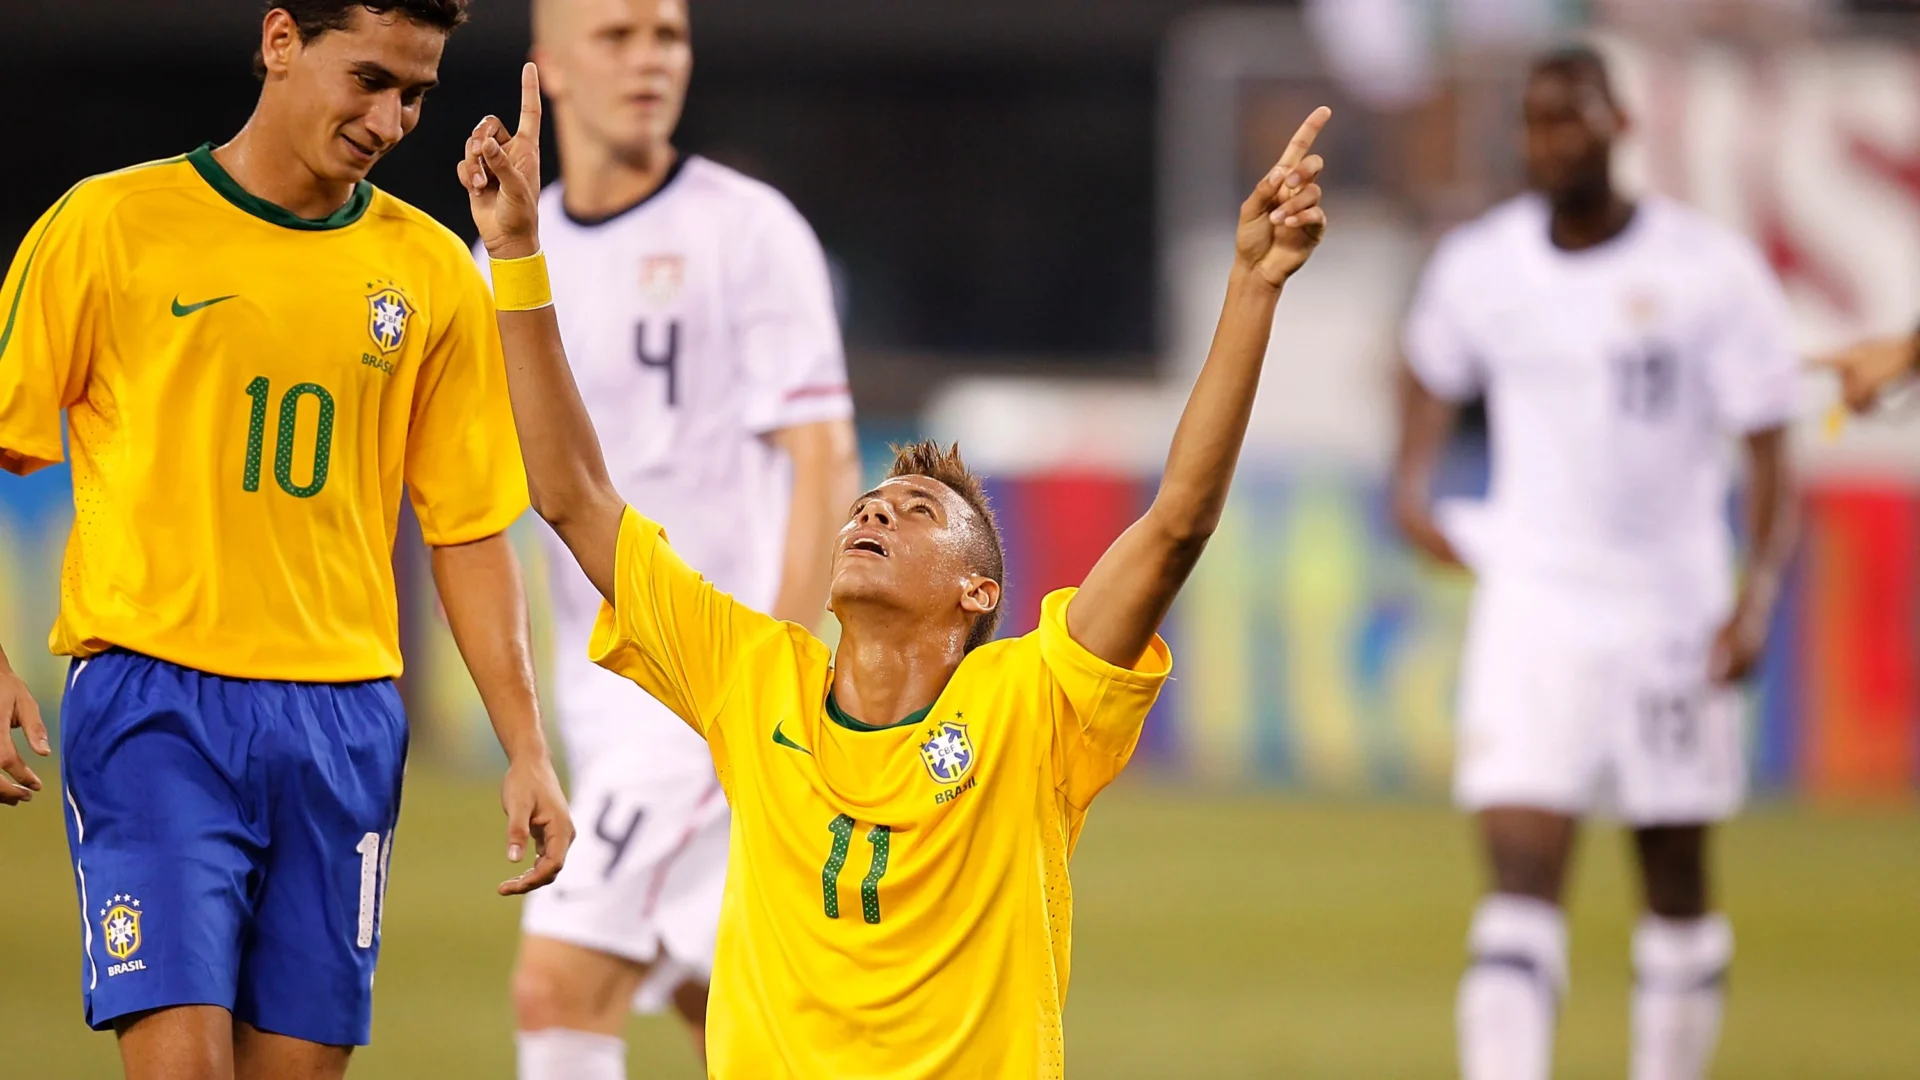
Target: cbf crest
[[948, 751], [388, 313], [120, 926]]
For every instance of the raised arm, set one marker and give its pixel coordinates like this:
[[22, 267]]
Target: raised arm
[[1131, 588], [566, 472]]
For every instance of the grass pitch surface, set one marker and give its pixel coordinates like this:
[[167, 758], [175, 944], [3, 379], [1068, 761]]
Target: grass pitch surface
[[1216, 936]]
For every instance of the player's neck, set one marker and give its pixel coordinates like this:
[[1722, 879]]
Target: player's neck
[[601, 181], [262, 161], [1589, 220], [889, 666]]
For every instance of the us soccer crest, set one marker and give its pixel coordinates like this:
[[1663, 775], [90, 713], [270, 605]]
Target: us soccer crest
[[661, 277], [948, 752], [387, 315], [120, 925]]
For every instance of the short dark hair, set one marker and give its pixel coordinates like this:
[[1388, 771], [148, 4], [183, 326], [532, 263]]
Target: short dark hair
[[316, 17], [1580, 63], [988, 557]]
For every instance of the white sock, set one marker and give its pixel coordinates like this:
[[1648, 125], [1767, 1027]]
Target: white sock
[[1510, 994], [564, 1054], [1680, 968]]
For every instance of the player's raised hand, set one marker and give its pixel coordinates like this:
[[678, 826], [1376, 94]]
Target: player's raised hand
[[501, 173], [1282, 221], [1868, 368], [537, 813], [17, 710]]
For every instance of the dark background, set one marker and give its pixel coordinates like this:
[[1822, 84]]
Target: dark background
[[981, 172]]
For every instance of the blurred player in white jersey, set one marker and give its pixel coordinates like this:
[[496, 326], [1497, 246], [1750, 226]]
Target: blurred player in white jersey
[[698, 315], [1619, 343]]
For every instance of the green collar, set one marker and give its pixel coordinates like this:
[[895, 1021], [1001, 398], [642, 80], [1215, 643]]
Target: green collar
[[835, 714], [223, 182]]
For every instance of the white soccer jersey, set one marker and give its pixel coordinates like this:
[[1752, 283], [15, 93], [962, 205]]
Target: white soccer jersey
[[1613, 377], [696, 323]]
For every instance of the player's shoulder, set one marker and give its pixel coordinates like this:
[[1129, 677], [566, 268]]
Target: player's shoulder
[[748, 202], [1497, 233], [1686, 232], [98, 198], [405, 229]]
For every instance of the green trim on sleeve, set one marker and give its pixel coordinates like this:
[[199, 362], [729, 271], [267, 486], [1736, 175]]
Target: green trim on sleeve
[[220, 180], [20, 287], [839, 716]]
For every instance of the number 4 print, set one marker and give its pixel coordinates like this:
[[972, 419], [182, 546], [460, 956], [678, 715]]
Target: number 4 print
[[881, 838]]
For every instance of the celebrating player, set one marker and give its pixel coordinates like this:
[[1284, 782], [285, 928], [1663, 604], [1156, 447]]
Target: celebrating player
[[1617, 343], [696, 311], [255, 350], [897, 901]]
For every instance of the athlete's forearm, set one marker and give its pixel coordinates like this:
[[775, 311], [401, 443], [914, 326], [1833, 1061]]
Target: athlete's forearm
[[1130, 590], [486, 601], [1773, 518], [566, 471], [826, 477], [1206, 444]]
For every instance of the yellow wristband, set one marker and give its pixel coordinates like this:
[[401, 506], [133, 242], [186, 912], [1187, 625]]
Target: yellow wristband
[[521, 284]]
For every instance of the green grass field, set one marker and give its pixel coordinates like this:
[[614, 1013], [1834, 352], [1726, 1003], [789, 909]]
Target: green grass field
[[1216, 936]]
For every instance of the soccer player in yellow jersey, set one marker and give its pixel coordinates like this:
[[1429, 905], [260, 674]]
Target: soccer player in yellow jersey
[[897, 901], [255, 351]]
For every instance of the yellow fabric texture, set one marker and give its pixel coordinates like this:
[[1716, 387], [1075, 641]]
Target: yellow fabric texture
[[897, 901], [246, 395]]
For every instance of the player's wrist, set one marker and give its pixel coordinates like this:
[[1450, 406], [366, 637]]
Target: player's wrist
[[1248, 283], [520, 283], [513, 246]]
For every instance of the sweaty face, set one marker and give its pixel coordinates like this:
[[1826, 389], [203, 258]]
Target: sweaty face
[[905, 545], [1570, 126], [619, 68], [358, 91]]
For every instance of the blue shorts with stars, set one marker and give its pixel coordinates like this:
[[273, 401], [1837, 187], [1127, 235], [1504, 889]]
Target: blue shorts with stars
[[230, 840]]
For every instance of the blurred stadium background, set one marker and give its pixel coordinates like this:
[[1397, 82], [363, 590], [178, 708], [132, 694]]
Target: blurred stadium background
[[1027, 208]]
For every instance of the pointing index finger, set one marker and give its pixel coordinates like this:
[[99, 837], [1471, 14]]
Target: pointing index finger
[[529, 102], [1302, 141]]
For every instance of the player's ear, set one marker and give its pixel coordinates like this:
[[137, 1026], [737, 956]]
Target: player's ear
[[981, 596], [279, 40]]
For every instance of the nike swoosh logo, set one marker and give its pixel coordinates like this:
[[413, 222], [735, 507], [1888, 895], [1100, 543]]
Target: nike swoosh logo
[[181, 311], [781, 739]]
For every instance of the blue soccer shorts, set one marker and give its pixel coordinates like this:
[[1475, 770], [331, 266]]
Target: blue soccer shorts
[[230, 840]]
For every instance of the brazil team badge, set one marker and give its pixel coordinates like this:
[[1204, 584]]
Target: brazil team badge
[[387, 316], [120, 926], [948, 752]]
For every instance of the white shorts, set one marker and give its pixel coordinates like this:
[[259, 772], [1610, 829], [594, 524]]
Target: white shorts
[[1587, 702], [644, 877]]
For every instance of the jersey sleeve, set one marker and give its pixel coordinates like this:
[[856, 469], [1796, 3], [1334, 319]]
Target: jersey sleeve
[[464, 472], [52, 318], [1752, 368], [1438, 346], [784, 328], [1099, 709], [669, 630]]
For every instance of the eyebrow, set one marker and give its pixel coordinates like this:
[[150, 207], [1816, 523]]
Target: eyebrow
[[911, 487], [377, 71]]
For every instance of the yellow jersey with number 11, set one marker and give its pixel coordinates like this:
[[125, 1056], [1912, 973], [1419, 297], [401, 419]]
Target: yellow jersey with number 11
[[897, 903], [246, 394]]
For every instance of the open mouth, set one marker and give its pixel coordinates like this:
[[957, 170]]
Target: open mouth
[[867, 545]]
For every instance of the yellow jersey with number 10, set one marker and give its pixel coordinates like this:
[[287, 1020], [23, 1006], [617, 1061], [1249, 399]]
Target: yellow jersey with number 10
[[246, 393], [897, 903]]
